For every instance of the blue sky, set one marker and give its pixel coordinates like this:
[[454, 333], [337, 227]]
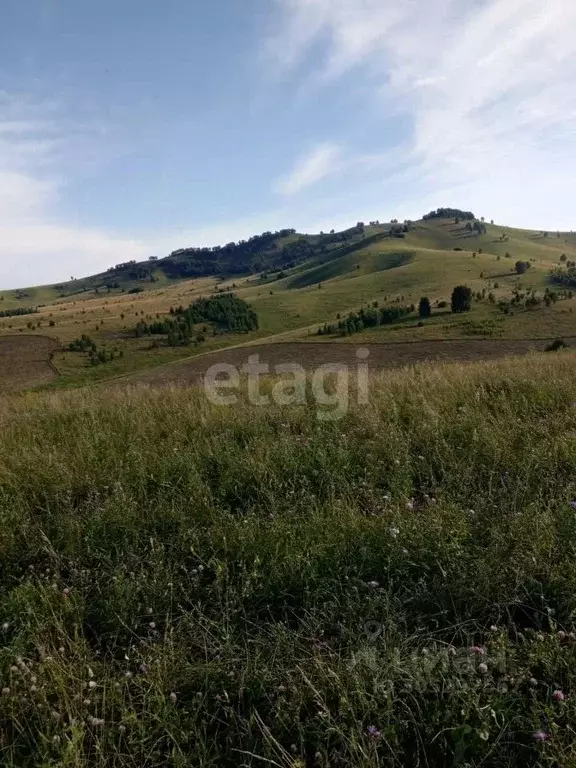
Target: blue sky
[[131, 128]]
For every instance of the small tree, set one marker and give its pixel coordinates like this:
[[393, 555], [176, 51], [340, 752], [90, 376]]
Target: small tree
[[461, 299], [521, 267], [424, 308]]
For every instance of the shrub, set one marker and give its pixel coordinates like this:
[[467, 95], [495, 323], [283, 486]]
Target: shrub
[[556, 345]]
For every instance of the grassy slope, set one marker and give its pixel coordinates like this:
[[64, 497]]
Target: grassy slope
[[425, 262], [294, 583]]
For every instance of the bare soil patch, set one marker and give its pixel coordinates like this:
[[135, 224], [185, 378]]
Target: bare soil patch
[[25, 361], [312, 355]]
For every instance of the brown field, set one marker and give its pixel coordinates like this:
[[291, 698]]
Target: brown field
[[311, 356], [25, 361]]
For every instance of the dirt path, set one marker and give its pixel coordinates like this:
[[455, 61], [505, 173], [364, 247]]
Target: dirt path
[[311, 355]]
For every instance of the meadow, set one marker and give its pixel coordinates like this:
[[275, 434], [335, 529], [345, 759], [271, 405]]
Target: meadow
[[190, 585]]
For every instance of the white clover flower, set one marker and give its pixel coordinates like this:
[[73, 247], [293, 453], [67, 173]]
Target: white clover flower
[[483, 668], [394, 532]]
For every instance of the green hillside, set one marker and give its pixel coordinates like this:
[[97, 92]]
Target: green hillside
[[300, 283]]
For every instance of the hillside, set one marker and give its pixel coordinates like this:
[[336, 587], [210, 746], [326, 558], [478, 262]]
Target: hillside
[[298, 284]]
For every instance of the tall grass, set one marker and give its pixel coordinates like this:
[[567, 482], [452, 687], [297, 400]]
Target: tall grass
[[187, 585]]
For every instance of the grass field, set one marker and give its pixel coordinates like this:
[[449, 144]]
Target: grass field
[[190, 585]]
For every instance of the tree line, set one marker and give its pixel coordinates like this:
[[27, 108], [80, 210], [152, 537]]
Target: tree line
[[370, 317], [18, 311]]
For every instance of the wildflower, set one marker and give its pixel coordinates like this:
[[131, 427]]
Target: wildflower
[[477, 650], [483, 668], [152, 625], [410, 504], [144, 668], [173, 698], [128, 674], [573, 503], [540, 736], [397, 462], [92, 684], [493, 628], [96, 722], [5, 626], [540, 637], [451, 650], [87, 702], [149, 611], [122, 728], [394, 532], [561, 635], [14, 670], [373, 731], [533, 682], [373, 584], [5, 691], [558, 695], [66, 591], [405, 551]]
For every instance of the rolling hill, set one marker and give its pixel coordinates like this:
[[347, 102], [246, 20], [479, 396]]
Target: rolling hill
[[299, 282]]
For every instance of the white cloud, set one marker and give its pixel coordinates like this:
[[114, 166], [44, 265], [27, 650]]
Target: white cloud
[[35, 245], [321, 162], [489, 88]]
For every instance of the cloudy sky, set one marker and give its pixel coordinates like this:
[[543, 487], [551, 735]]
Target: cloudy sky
[[130, 128]]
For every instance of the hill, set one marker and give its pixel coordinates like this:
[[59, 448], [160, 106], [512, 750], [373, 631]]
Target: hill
[[298, 284]]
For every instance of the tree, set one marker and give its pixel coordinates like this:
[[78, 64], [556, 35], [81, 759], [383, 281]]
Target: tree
[[522, 267], [461, 299], [424, 308]]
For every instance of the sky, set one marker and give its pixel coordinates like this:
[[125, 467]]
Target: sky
[[129, 129]]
